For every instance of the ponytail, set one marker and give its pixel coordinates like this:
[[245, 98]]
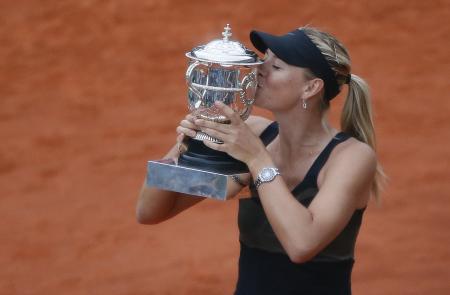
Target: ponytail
[[357, 121], [356, 118]]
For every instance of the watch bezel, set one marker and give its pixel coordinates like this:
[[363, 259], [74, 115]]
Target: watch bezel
[[270, 172], [267, 174]]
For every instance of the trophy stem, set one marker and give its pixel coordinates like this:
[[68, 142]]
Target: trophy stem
[[202, 136], [199, 156]]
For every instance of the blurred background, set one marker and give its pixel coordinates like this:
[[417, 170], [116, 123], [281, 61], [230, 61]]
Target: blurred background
[[90, 90]]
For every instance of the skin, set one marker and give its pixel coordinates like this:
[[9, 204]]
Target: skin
[[344, 182]]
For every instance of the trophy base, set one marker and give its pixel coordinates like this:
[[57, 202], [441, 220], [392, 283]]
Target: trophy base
[[170, 176], [199, 156]]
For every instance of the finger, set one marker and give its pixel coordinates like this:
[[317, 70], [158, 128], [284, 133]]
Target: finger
[[186, 131], [188, 124], [228, 112], [190, 118], [214, 133], [180, 137], [214, 146], [224, 128]]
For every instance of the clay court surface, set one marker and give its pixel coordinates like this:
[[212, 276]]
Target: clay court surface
[[91, 90]]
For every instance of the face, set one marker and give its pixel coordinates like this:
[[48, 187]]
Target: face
[[280, 85]]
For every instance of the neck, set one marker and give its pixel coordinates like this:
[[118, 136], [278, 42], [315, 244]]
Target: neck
[[299, 133]]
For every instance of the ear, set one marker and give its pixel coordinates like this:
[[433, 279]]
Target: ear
[[312, 88]]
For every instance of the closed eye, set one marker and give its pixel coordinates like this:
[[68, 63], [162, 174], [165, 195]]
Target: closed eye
[[276, 67]]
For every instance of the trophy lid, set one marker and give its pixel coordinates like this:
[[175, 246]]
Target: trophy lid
[[225, 51]]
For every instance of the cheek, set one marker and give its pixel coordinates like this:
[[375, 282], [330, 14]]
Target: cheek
[[275, 82], [285, 88], [272, 88], [279, 88]]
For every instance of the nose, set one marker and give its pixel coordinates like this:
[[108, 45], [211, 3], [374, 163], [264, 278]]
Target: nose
[[262, 69]]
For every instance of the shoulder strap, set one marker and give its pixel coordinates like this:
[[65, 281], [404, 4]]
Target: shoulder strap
[[324, 155], [310, 179], [269, 133]]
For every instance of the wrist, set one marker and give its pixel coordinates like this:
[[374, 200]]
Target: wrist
[[259, 162]]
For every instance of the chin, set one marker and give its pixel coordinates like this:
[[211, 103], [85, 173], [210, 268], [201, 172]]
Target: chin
[[261, 103], [258, 102], [259, 99]]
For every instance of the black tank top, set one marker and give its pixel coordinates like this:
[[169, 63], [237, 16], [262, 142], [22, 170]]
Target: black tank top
[[264, 267]]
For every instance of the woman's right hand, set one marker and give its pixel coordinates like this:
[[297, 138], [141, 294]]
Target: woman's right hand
[[187, 127]]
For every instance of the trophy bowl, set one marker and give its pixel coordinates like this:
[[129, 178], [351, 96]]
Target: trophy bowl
[[222, 70]]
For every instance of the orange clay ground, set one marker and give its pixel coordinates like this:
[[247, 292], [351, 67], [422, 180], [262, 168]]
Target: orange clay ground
[[90, 90]]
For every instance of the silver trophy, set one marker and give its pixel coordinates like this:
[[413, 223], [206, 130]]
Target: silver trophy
[[222, 70]]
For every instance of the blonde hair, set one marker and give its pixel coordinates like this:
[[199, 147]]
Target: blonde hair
[[356, 116]]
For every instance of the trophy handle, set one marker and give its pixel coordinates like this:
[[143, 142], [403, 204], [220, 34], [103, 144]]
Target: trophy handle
[[248, 81], [192, 88]]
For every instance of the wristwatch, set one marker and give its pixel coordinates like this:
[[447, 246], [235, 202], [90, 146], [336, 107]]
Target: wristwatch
[[267, 174]]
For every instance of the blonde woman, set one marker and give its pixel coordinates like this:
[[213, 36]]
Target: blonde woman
[[309, 182]]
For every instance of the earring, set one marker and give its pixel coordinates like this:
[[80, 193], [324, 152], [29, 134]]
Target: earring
[[305, 106]]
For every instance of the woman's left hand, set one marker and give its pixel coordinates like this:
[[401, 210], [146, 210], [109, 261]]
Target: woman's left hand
[[238, 139]]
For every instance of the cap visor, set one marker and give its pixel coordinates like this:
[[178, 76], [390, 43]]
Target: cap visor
[[281, 46]]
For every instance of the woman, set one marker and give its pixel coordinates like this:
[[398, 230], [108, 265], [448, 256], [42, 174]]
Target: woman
[[309, 183]]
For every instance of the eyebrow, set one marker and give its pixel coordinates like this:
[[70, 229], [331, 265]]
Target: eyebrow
[[276, 58], [279, 62]]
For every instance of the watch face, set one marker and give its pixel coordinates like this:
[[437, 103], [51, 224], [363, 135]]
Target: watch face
[[267, 174]]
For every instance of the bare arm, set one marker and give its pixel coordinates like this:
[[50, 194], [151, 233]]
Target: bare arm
[[302, 231], [155, 205]]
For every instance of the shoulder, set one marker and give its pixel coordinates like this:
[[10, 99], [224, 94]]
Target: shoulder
[[352, 164], [353, 150], [257, 124]]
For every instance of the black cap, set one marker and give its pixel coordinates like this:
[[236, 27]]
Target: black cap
[[295, 48]]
